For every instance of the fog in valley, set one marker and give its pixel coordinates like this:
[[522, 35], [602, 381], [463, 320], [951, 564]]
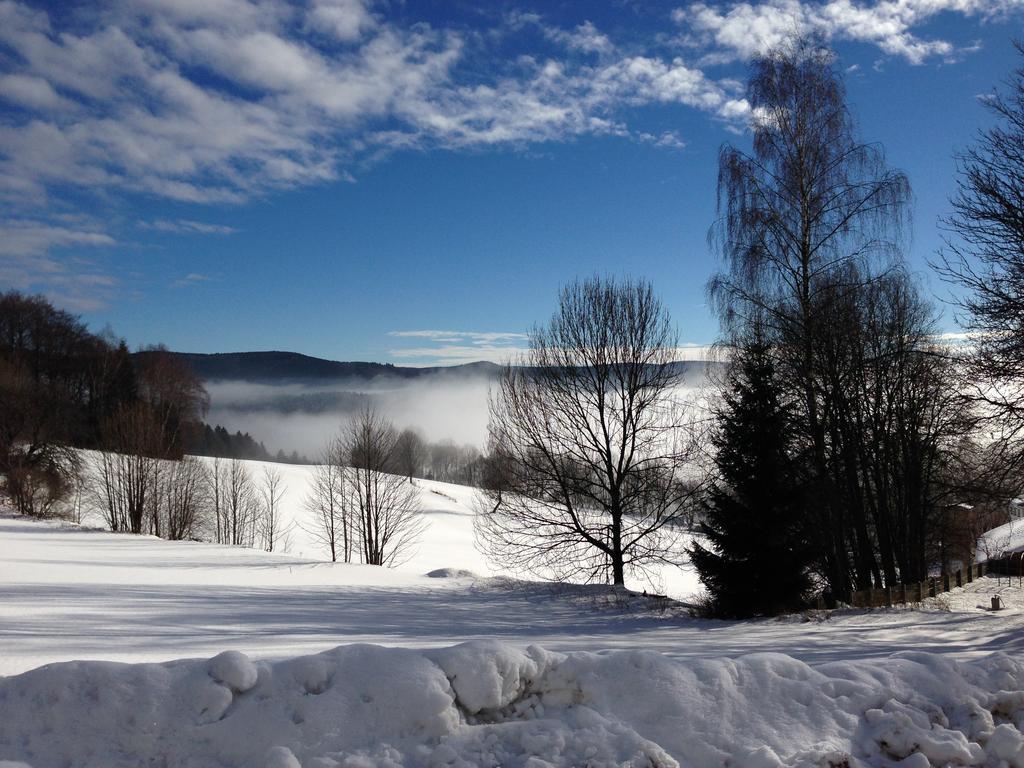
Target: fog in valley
[[303, 416]]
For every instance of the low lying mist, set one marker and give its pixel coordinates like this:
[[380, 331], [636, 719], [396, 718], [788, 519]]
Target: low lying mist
[[303, 416]]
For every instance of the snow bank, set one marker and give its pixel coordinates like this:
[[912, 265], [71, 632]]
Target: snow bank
[[489, 704]]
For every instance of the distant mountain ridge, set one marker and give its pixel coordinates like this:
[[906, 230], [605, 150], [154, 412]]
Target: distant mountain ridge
[[279, 367]]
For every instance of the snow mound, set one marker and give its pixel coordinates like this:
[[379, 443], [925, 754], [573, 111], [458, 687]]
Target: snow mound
[[489, 704], [489, 675], [234, 670], [451, 573]]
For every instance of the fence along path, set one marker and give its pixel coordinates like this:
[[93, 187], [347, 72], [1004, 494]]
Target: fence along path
[[1010, 565]]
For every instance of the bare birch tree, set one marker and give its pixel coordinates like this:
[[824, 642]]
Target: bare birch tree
[[328, 503], [809, 220], [183, 498], [589, 439], [984, 258], [125, 474], [274, 530], [386, 506], [240, 505], [410, 453]]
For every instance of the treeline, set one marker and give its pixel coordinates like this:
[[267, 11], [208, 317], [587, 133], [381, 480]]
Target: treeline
[[64, 388], [219, 500], [852, 450], [445, 461], [84, 424], [219, 442]]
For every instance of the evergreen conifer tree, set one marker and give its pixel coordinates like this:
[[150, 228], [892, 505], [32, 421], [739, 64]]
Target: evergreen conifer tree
[[754, 560]]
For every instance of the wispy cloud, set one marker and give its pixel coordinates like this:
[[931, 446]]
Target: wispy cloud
[[226, 100], [192, 278], [477, 337], [49, 256], [744, 29], [187, 227], [457, 347], [278, 95]]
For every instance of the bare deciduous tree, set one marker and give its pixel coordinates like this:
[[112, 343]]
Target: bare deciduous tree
[[329, 505], [126, 473], [239, 504], [985, 256], [410, 452], [588, 435], [385, 506], [183, 498], [274, 531]]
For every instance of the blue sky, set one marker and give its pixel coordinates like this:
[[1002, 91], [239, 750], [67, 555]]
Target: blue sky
[[412, 182]]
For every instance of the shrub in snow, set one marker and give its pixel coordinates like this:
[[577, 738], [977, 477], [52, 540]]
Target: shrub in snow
[[451, 573]]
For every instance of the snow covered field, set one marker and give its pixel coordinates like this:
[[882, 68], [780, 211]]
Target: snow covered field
[[621, 680]]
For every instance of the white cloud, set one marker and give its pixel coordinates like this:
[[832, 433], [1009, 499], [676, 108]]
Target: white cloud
[[477, 337], [346, 20], [32, 92], [27, 237], [192, 278], [746, 29], [220, 101], [457, 347], [188, 227], [27, 261], [129, 104], [585, 38]]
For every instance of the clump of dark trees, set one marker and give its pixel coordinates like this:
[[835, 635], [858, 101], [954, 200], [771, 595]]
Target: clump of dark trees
[[849, 447], [849, 438], [85, 423], [218, 441], [63, 388]]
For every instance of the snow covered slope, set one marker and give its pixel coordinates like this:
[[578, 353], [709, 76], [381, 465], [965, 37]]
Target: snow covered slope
[[448, 537], [552, 675]]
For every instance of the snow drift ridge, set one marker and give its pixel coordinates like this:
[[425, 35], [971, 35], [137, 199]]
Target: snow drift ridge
[[488, 704]]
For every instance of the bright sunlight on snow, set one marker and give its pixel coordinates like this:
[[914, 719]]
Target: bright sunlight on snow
[[291, 666]]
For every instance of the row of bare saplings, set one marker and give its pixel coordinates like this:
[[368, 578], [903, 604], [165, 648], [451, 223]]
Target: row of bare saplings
[[359, 510]]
